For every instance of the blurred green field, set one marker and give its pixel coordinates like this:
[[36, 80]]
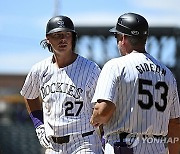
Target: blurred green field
[[17, 134]]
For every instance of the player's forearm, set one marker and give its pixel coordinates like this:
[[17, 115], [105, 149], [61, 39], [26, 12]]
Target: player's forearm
[[174, 133], [33, 104], [35, 111]]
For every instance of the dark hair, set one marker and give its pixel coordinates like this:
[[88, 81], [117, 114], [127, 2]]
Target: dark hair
[[136, 41], [46, 45]]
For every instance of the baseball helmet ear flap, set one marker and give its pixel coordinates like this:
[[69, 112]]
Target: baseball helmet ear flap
[[131, 24]]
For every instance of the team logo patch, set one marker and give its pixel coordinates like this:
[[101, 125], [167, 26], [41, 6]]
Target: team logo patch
[[60, 23], [134, 32]]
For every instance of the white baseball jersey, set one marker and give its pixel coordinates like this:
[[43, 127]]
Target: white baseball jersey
[[144, 92], [66, 93]]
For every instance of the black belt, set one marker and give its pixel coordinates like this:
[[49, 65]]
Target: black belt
[[65, 139], [123, 135]]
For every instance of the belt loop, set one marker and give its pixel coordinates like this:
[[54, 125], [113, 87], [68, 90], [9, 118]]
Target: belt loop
[[120, 137], [56, 139]]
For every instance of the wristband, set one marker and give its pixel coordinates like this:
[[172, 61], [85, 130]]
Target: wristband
[[37, 118]]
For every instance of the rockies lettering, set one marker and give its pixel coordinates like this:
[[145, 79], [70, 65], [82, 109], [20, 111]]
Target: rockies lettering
[[66, 94], [61, 88]]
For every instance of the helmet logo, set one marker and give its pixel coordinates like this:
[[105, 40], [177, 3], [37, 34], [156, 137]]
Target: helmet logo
[[134, 32], [60, 23]]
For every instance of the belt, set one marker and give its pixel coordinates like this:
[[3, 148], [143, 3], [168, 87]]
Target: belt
[[65, 139], [123, 135]]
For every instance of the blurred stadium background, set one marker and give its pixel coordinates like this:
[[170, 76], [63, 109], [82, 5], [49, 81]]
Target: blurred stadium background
[[17, 134]]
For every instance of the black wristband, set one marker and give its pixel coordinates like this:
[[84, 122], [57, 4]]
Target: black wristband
[[37, 118]]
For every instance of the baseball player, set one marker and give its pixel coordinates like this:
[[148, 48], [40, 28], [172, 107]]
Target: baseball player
[[136, 95], [58, 93]]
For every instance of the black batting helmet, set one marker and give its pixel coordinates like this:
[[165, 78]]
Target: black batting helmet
[[131, 24], [59, 23]]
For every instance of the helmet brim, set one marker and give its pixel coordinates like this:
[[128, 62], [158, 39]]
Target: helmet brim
[[113, 30], [60, 30]]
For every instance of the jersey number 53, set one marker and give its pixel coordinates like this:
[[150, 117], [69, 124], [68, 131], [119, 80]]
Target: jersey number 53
[[147, 105]]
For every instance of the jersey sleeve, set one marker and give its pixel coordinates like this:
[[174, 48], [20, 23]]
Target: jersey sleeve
[[30, 89], [175, 107], [92, 81], [106, 85]]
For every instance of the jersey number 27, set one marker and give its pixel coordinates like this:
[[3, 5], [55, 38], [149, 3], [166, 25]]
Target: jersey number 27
[[70, 106]]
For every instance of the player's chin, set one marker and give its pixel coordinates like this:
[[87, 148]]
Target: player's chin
[[62, 49]]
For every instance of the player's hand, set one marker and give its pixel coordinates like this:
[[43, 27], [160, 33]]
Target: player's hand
[[44, 141], [94, 123]]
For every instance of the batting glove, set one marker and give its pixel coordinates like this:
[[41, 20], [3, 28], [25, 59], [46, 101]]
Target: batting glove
[[44, 141]]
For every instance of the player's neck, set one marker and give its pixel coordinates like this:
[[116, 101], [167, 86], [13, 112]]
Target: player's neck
[[62, 61]]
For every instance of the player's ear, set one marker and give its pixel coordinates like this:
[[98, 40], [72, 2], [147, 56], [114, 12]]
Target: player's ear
[[123, 39], [47, 39]]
